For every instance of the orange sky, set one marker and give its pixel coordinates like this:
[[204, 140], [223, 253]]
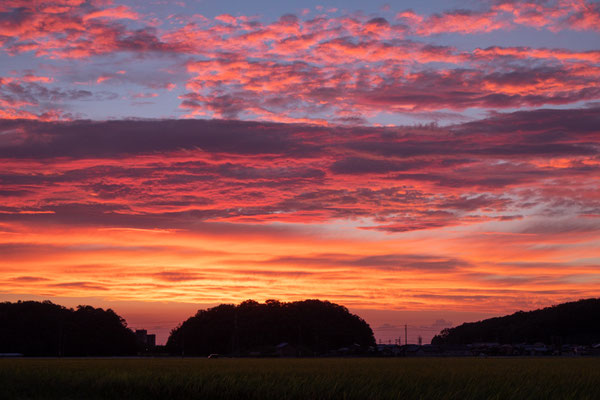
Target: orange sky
[[420, 166], [431, 231]]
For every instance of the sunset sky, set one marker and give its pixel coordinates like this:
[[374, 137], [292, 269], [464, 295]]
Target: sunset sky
[[420, 162]]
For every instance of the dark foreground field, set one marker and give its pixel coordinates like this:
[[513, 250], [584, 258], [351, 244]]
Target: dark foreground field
[[433, 378]]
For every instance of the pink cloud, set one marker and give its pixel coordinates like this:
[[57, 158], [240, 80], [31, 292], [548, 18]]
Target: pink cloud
[[462, 21], [226, 18], [346, 69], [144, 95], [120, 12]]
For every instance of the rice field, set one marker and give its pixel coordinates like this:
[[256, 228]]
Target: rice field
[[347, 378]]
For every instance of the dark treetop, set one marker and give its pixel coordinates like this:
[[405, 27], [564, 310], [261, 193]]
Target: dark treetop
[[575, 323], [46, 329], [311, 327]]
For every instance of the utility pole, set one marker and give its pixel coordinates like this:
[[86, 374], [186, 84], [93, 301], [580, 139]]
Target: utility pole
[[405, 334]]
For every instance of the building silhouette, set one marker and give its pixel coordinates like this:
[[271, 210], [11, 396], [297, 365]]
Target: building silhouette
[[145, 340]]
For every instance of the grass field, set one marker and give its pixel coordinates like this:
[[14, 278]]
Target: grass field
[[423, 378]]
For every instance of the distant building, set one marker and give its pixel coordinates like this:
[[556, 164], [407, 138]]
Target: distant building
[[141, 333], [145, 341], [389, 350]]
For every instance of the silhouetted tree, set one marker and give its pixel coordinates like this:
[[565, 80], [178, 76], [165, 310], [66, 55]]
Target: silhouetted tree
[[46, 329], [33, 328], [314, 325], [575, 322], [97, 332]]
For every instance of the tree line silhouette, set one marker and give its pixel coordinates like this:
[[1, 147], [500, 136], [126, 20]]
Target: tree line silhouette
[[305, 328], [47, 329], [575, 322], [311, 326]]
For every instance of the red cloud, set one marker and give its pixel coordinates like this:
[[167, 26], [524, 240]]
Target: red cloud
[[404, 179], [302, 208], [497, 208]]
